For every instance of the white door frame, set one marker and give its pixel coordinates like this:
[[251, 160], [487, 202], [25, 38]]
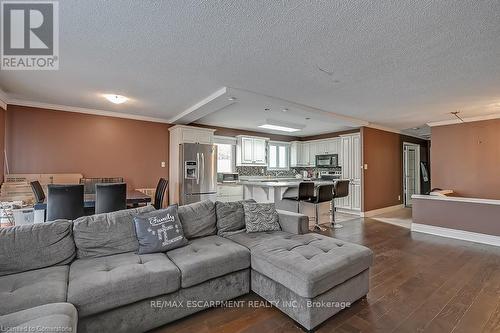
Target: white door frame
[[417, 170]]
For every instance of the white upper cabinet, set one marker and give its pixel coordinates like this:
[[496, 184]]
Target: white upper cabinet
[[251, 150], [190, 134], [313, 151], [303, 153]]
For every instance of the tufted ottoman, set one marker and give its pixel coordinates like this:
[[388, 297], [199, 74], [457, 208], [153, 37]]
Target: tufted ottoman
[[310, 277]]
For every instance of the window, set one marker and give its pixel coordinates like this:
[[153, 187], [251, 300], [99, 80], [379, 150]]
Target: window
[[225, 157], [279, 154]]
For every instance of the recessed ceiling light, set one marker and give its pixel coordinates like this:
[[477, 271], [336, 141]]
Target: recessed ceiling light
[[267, 109], [285, 110], [279, 128], [116, 99], [308, 118], [231, 99]]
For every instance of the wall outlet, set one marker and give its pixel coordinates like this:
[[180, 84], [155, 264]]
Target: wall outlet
[[366, 166], [163, 164], [399, 198]]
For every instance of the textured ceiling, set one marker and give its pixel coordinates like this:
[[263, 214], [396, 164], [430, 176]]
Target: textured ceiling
[[397, 63]]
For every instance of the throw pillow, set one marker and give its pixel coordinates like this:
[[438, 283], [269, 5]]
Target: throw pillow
[[159, 231], [230, 217], [261, 217]]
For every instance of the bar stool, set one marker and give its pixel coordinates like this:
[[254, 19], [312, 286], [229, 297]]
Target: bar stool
[[292, 196], [340, 190], [324, 195]]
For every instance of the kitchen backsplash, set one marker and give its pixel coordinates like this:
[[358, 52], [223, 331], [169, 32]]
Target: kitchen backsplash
[[263, 171]]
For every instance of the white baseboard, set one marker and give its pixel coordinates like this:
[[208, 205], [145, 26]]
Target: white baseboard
[[456, 234], [379, 211]]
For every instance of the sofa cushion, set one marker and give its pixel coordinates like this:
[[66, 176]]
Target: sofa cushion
[[250, 240], [198, 219], [99, 284], [32, 288], [55, 317], [261, 217], [230, 217], [207, 258], [34, 246], [107, 234], [159, 231], [309, 264]]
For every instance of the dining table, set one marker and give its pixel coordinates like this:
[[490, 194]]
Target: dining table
[[134, 198]]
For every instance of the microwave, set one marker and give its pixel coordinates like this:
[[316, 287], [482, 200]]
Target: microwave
[[327, 161], [227, 177]]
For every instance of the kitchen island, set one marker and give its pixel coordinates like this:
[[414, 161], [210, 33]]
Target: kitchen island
[[272, 191]]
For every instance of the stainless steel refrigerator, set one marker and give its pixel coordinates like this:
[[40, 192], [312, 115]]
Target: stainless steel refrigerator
[[198, 165]]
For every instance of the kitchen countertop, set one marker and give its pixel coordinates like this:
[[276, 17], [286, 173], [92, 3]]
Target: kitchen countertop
[[284, 183]]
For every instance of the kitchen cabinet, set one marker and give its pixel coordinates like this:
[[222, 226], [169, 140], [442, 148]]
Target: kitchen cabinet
[[351, 170], [251, 150], [303, 153]]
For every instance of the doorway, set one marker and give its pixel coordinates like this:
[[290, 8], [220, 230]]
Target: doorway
[[411, 171]]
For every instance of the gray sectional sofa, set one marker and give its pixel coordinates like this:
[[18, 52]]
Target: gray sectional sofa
[[86, 273]]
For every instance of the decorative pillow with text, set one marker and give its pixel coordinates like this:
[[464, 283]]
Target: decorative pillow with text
[[159, 231]]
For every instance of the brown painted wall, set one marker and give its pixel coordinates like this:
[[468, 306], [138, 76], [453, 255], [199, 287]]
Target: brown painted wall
[[48, 141], [382, 182], [466, 158]]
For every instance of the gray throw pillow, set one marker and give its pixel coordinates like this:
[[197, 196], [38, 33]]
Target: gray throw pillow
[[230, 217], [159, 231], [261, 217]]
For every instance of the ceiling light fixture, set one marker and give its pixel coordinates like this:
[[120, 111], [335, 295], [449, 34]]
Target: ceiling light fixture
[[279, 128], [116, 99]]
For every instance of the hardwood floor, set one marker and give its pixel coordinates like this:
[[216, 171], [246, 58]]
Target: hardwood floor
[[418, 283]]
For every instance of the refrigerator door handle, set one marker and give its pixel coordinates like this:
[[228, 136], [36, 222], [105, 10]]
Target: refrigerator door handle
[[203, 167], [197, 168]]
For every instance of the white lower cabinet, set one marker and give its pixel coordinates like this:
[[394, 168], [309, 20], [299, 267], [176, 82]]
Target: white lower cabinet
[[229, 192]]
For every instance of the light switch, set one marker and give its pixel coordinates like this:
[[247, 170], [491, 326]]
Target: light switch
[[366, 166], [163, 164]]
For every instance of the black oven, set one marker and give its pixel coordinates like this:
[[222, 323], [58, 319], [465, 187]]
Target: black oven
[[327, 161]]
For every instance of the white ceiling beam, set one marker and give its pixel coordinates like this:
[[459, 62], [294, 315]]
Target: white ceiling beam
[[216, 101]]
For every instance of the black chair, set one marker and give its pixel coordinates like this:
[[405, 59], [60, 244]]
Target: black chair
[[293, 196], [110, 197], [160, 193], [324, 195], [90, 183], [340, 190], [64, 202], [38, 191]]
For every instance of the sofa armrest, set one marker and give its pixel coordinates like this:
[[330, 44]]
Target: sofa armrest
[[294, 223]]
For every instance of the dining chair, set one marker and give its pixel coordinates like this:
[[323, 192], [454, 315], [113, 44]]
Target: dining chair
[[64, 202], [160, 193], [110, 197], [38, 191], [90, 183]]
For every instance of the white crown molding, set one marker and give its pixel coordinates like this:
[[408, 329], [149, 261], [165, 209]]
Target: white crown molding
[[392, 130], [96, 112], [456, 234], [466, 120], [3, 99]]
